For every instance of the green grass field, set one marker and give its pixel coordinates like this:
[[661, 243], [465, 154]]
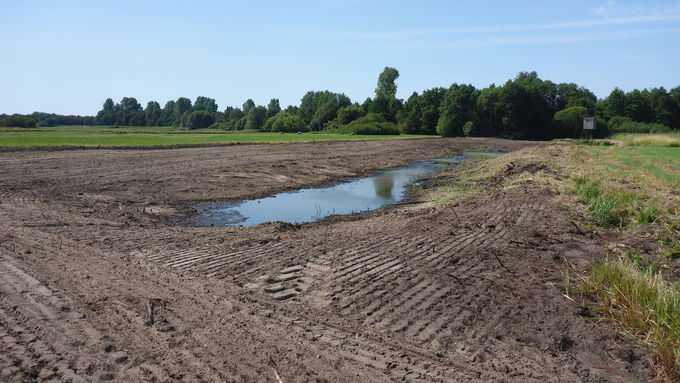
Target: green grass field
[[155, 136]]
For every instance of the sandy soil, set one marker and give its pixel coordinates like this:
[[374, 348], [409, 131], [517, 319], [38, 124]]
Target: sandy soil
[[96, 284]]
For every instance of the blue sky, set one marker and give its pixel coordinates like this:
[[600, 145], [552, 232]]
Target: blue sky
[[69, 56]]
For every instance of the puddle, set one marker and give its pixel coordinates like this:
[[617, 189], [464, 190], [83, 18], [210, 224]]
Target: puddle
[[308, 205]]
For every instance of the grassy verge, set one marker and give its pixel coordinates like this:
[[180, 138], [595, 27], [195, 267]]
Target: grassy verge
[[156, 136], [632, 187], [641, 304]]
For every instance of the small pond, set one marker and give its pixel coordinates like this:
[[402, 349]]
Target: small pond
[[383, 188]]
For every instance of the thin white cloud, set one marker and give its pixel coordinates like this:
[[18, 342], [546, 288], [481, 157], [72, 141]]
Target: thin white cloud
[[559, 38], [609, 14], [411, 33], [613, 9]]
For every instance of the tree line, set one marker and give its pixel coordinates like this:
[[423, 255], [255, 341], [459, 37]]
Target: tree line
[[525, 107]]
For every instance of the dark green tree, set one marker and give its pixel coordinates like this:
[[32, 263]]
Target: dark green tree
[[130, 104], [182, 108], [256, 117], [273, 108], [431, 103], [107, 115], [530, 104], [167, 113], [457, 108], [248, 105], [387, 88], [615, 104], [350, 113], [637, 106], [108, 106], [569, 122], [207, 104], [491, 112], [570, 94], [199, 119], [312, 101], [412, 114], [152, 113], [18, 121]]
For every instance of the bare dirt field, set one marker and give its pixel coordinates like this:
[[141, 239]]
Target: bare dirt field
[[97, 284]]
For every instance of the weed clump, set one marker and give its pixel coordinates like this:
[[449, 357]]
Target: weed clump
[[611, 207], [648, 214]]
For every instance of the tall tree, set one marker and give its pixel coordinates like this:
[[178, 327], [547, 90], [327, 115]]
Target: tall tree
[[152, 113], [130, 104], [181, 109], [273, 108], [386, 83], [530, 104], [167, 113], [492, 112], [615, 104], [312, 101], [256, 117], [108, 106], [205, 103], [457, 108], [248, 105]]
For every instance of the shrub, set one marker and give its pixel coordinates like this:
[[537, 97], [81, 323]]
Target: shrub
[[350, 113], [569, 122], [469, 129], [618, 124], [372, 123], [284, 122]]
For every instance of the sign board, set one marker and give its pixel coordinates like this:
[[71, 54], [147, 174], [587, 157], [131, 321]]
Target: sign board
[[589, 123]]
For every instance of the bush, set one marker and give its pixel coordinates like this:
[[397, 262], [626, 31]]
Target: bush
[[350, 113], [284, 122], [569, 122], [618, 124], [469, 129], [372, 123], [18, 121]]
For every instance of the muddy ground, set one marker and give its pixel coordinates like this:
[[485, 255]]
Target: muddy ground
[[97, 285]]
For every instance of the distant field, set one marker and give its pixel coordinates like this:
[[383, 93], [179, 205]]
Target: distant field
[[649, 139], [654, 158], [154, 136]]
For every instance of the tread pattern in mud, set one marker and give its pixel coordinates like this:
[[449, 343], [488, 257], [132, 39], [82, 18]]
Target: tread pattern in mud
[[33, 321]]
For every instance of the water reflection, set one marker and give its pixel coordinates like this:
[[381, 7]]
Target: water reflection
[[308, 205], [384, 183]]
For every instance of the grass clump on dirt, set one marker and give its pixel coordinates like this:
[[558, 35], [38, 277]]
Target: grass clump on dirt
[[641, 303], [612, 207]]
